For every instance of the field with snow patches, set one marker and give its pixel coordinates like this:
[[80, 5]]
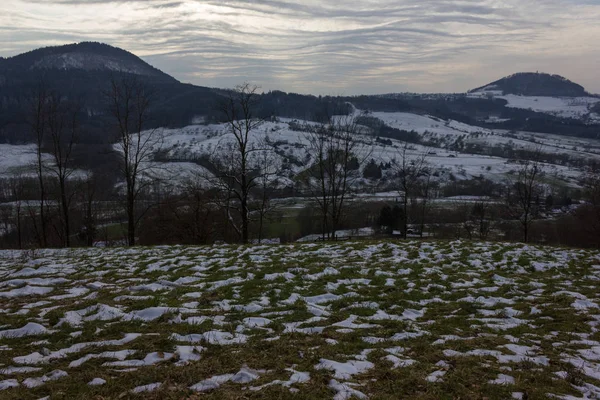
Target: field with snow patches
[[385, 320]]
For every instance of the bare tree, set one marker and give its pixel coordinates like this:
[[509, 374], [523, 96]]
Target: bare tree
[[590, 212], [477, 217], [17, 189], [484, 214], [63, 134], [318, 180], [346, 156], [337, 153], [88, 193], [524, 192], [409, 171], [266, 185], [129, 104], [38, 120], [237, 171], [425, 194]]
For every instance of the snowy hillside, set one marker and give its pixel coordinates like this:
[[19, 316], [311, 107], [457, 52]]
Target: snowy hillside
[[454, 149], [292, 153], [427, 124], [85, 56], [18, 160], [563, 107], [87, 61]]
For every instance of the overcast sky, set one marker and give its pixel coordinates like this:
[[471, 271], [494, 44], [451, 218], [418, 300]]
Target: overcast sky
[[326, 47]]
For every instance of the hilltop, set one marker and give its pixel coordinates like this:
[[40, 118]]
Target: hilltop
[[535, 84]]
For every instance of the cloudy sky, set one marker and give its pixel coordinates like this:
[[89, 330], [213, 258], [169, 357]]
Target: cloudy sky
[[326, 47]]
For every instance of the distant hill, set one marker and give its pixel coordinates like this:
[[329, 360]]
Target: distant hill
[[85, 56], [535, 84], [84, 71]]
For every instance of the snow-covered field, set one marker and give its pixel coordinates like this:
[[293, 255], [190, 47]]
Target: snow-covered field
[[563, 107], [382, 320], [292, 153], [427, 123], [18, 160], [181, 149]]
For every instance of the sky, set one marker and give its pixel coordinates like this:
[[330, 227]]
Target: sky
[[326, 47]]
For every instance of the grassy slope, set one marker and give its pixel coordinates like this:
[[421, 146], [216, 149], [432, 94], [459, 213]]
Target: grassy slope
[[421, 272]]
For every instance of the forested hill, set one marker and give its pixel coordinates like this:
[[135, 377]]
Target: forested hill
[[535, 84]]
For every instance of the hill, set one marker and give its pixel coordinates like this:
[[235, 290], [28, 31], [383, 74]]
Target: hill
[[84, 71], [85, 56], [535, 84]]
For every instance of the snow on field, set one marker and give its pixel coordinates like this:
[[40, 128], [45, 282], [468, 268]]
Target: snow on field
[[18, 159], [432, 127], [565, 107], [427, 123], [339, 320]]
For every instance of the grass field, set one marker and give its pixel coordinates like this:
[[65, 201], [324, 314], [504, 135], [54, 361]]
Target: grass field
[[381, 320]]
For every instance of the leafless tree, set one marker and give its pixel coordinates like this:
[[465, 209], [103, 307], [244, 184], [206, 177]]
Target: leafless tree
[[129, 104], [236, 170], [193, 214], [88, 193], [266, 186], [524, 194], [483, 213], [318, 180], [590, 212], [17, 189], [409, 170], [63, 133], [477, 217], [337, 152], [38, 121], [425, 194]]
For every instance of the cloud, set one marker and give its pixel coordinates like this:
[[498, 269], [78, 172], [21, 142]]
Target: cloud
[[334, 47]]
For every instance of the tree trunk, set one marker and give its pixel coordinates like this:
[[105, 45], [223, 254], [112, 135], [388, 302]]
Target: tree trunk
[[405, 216], [244, 210], [244, 220], [260, 227], [42, 239], [19, 227], [90, 226], [130, 220], [526, 227], [65, 210]]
